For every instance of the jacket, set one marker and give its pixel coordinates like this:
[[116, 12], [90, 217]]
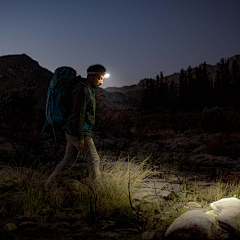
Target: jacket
[[83, 109]]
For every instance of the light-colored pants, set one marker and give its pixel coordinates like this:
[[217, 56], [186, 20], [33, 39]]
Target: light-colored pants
[[89, 153]]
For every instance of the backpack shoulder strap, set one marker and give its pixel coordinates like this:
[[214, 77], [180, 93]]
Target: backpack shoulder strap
[[89, 90]]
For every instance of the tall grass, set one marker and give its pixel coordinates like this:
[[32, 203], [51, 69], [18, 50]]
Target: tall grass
[[111, 195], [221, 190], [28, 186]]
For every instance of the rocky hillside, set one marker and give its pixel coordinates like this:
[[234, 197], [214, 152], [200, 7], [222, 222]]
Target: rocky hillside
[[135, 90], [120, 100], [132, 91], [21, 70]]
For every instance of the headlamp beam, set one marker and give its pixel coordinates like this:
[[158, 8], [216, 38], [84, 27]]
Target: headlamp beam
[[106, 75]]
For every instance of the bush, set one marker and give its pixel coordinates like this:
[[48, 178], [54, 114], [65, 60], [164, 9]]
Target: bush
[[109, 118], [4, 235], [17, 106], [29, 185], [214, 120]]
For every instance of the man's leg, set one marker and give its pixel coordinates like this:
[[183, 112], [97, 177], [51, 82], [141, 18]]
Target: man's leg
[[90, 154], [68, 160]]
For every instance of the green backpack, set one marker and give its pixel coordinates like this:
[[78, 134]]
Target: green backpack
[[61, 85]]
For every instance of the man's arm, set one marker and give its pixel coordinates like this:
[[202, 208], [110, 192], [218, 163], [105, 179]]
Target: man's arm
[[79, 97]]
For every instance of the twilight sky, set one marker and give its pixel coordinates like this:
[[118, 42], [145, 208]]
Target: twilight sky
[[133, 39]]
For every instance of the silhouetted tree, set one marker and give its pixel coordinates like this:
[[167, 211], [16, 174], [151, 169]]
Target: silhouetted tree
[[235, 79], [202, 87], [222, 84], [147, 94], [190, 106], [195, 90], [207, 87], [173, 96], [162, 92], [182, 89]]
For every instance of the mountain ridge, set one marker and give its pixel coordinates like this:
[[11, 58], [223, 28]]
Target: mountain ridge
[[18, 70], [21, 70], [134, 90]]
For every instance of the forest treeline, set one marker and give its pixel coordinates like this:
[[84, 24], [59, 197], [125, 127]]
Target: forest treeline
[[195, 90]]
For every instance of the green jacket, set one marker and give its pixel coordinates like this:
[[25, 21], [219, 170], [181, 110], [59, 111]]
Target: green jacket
[[83, 110]]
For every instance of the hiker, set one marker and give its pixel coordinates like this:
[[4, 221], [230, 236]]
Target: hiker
[[82, 122]]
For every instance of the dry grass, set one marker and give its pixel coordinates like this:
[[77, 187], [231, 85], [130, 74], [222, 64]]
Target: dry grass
[[220, 190], [111, 197], [28, 184]]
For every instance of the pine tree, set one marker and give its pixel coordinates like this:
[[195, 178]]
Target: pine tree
[[182, 88], [222, 84], [202, 87], [235, 79], [173, 93], [207, 87]]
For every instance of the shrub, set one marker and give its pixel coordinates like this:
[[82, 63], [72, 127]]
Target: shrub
[[214, 120], [4, 235], [28, 184], [17, 106], [109, 118]]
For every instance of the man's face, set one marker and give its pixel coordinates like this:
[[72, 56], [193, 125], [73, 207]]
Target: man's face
[[97, 80]]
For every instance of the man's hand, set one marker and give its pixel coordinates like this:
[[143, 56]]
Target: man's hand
[[80, 145]]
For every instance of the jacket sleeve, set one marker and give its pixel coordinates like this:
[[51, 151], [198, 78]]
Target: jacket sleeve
[[79, 97]]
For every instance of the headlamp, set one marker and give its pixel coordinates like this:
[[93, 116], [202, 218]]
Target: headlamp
[[106, 75]]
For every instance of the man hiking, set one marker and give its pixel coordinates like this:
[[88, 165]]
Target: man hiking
[[82, 105]]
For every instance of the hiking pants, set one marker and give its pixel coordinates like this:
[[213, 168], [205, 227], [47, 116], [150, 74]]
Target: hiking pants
[[89, 153]]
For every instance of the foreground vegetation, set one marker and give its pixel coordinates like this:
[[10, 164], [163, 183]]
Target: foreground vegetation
[[84, 200], [111, 199]]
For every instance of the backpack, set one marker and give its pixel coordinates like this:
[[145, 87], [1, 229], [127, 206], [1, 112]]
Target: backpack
[[58, 95]]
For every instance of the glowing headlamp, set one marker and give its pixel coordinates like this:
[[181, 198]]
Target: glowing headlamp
[[106, 75]]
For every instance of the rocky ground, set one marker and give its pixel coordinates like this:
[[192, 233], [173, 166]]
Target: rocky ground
[[192, 156]]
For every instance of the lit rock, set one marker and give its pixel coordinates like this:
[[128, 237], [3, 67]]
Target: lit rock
[[229, 220], [194, 204], [27, 224], [148, 235], [193, 224], [211, 213], [225, 203], [10, 227]]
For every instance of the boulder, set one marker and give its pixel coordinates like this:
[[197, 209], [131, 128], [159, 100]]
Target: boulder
[[223, 222], [194, 204], [148, 235], [210, 161], [10, 227], [225, 203], [181, 142], [229, 220], [26, 224], [6, 149], [193, 224], [75, 186]]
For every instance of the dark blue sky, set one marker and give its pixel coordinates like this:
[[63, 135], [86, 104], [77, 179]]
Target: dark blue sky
[[133, 39]]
